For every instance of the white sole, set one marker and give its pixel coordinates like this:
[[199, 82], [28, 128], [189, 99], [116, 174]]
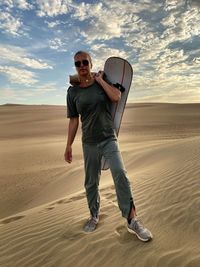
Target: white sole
[[132, 232]]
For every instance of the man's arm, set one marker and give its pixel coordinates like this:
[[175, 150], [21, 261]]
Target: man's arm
[[113, 93], [72, 130]]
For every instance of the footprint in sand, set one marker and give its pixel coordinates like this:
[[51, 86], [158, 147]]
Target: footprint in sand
[[110, 196], [122, 235], [73, 230], [73, 235], [103, 209], [78, 197], [61, 201], [106, 189], [11, 219], [102, 216], [64, 201], [50, 208], [71, 199]]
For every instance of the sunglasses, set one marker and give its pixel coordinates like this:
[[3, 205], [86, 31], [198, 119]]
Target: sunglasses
[[85, 62]]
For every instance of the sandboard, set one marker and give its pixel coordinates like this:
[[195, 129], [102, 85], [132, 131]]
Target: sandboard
[[120, 73]]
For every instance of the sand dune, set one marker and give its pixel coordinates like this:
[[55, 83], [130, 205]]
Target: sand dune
[[43, 205]]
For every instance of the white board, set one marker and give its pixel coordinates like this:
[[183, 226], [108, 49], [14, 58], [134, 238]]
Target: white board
[[120, 73]]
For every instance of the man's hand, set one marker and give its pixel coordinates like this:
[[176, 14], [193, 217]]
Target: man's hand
[[99, 76], [113, 93], [68, 154]]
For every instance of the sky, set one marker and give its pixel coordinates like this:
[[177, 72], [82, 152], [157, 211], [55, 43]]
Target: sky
[[160, 38]]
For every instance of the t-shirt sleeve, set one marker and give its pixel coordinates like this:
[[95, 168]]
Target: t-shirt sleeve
[[71, 105]]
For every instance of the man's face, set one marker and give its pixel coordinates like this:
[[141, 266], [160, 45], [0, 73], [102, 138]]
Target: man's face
[[83, 64]]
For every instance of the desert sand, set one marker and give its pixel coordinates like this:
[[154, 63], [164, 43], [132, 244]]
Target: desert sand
[[42, 199]]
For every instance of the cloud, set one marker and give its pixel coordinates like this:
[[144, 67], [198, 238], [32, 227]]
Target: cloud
[[19, 55], [45, 88], [57, 44], [9, 95], [21, 4], [170, 58], [197, 60], [183, 25], [194, 3], [10, 24], [53, 24], [154, 46], [144, 32], [173, 4], [110, 19], [177, 96], [166, 89], [28, 95], [52, 8], [10, 20], [134, 7], [19, 76], [100, 23], [160, 39], [101, 52]]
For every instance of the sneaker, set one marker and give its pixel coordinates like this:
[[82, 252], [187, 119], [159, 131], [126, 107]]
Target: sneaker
[[136, 227], [91, 224]]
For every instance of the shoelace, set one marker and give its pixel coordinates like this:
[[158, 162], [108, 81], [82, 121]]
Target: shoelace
[[138, 225], [92, 220]]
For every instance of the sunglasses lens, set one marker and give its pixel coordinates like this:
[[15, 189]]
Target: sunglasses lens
[[85, 62], [77, 64]]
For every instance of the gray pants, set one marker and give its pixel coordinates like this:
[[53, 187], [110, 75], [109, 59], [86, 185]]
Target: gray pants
[[92, 159]]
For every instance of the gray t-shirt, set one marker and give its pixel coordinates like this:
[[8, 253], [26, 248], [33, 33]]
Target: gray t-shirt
[[94, 107]]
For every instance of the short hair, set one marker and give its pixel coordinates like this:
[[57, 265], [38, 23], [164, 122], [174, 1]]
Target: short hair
[[83, 52]]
